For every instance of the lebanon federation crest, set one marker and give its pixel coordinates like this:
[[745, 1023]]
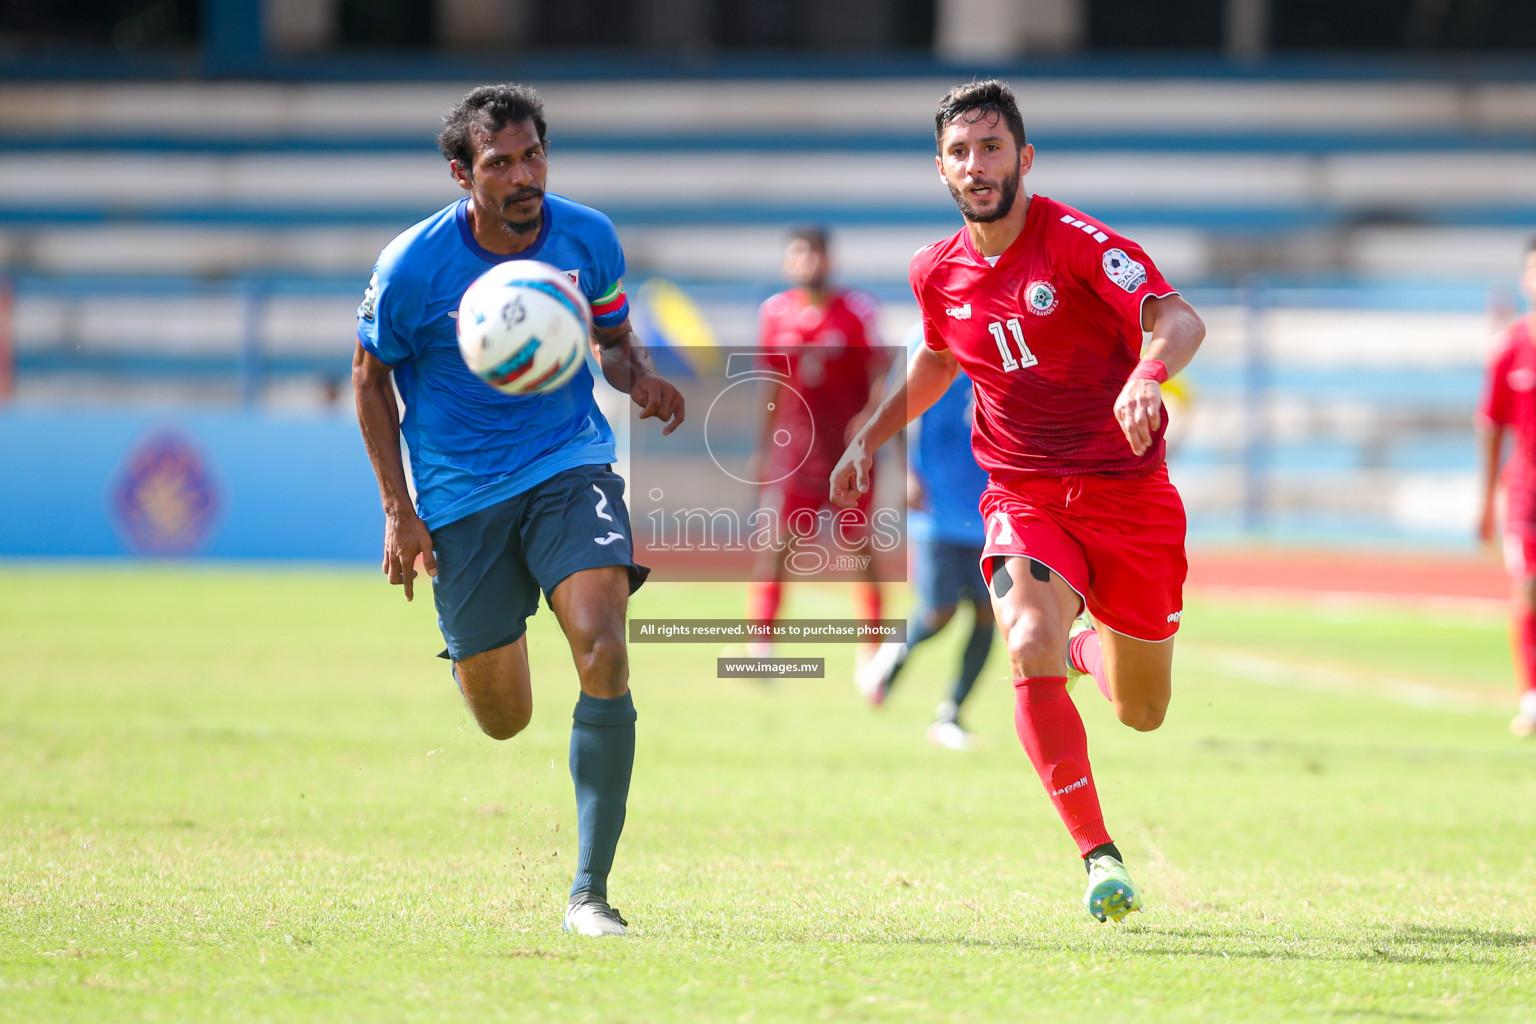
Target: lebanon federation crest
[[1040, 297]]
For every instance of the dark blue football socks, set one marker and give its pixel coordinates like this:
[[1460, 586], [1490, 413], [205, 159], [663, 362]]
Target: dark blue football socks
[[602, 758], [972, 660]]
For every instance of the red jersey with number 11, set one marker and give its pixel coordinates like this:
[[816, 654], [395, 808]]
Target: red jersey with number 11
[[1048, 336]]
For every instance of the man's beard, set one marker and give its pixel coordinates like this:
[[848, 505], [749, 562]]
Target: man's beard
[[523, 227], [1008, 191]]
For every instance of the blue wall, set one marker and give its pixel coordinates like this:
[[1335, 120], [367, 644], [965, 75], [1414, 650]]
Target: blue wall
[[184, 483]]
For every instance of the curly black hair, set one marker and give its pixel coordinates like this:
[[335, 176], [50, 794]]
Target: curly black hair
[[491, 107], [972, 101]]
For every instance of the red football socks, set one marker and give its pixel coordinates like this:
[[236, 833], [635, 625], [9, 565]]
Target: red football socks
[[1523, 635], [867, 601], [1051, 732], [763, 601], [1086, 653]]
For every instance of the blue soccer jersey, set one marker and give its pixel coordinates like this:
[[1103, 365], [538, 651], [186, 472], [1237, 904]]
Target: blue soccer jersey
[[939, 452], [470, 445]]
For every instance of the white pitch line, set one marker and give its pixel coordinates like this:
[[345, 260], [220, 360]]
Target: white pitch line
[[1254, 668]]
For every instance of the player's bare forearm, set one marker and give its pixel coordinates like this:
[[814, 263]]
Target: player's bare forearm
[[929, 375], [1490, 449], [622, 355], [1177, 331], [379, 420], [405, 535], [627, 365], [772, 387]]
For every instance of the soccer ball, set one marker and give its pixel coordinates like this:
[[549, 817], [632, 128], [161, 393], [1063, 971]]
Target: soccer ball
[[523, 327]]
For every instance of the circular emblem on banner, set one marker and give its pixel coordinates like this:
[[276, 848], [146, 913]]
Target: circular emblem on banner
[[163, 499], [1041, 297]]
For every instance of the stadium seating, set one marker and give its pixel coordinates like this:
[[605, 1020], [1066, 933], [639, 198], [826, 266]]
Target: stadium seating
[[206, 239]]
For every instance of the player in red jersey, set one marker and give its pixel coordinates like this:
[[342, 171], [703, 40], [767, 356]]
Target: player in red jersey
[[823, 356], [1509, 404], [1044, 309]]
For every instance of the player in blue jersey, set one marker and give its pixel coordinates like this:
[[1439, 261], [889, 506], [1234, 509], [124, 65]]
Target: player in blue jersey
[[945, 532], [514, 494]]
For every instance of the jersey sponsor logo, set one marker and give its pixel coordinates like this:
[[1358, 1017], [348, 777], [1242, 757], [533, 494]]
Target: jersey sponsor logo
[[1040, 297], [1124, 271], [1176, 616], [370, 299], [605, 541], [959, 312]]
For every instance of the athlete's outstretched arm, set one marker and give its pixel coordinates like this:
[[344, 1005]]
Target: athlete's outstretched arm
[[627, 366], [405, 535], [1177, 331], [1490, 442], [929, 375]]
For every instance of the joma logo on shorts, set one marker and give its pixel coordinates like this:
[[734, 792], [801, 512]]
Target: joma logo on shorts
[[1070, 787], [1176, 616]]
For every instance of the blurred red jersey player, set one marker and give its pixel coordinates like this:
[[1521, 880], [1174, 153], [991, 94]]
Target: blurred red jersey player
[[1509, 406], [823, 365], [1044, 307]]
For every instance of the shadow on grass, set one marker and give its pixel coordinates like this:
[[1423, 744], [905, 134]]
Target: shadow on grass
[[1476, 936], [1405, 944]]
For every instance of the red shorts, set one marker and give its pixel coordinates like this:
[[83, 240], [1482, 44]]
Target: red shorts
[[1118, 543], [799, 507]]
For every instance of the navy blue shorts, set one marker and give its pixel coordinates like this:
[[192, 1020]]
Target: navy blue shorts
[[944, 573], [492, 564]]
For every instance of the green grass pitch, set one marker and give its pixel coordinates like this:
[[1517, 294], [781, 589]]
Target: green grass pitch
[[238, 795]]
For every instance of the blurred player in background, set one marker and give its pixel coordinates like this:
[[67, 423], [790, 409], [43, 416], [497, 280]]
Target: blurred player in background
[[1509, 405], [1044, 309], [514, 494], [944, 538], [831, 340]]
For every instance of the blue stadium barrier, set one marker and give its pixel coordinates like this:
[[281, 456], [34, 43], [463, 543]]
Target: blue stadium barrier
[[182, 483]]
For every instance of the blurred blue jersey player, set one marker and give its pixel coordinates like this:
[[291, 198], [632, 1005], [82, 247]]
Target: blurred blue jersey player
[[945, 535], [514, 494]]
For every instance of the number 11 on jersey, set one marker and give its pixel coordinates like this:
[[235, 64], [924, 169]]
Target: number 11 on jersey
[[1026, 357]]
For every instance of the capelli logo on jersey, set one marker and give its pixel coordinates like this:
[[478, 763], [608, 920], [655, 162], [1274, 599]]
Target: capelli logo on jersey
[[960, 312], [1176, 616]]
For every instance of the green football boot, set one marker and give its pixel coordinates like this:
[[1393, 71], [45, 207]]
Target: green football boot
[[1111, 894]]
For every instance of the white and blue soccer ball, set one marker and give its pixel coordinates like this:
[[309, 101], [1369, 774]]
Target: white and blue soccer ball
[[523, 327]]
